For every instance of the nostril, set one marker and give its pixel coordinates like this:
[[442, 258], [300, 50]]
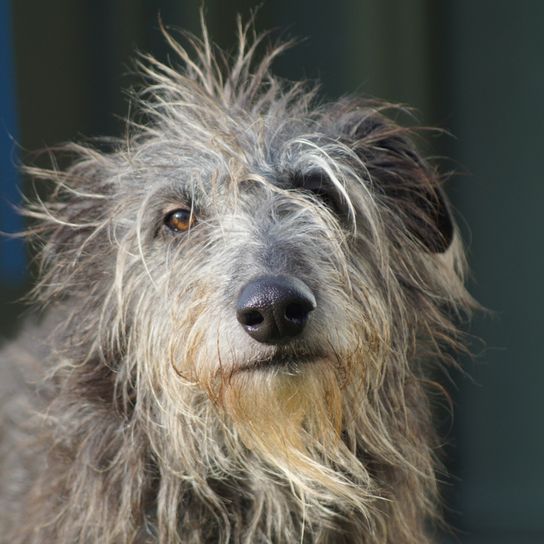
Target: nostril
[[251, 318], [296, 311]]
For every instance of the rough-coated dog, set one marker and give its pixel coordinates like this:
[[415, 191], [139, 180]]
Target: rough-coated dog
[[242, 300]]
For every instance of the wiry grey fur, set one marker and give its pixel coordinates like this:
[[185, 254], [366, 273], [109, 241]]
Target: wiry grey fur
[[138, 410]]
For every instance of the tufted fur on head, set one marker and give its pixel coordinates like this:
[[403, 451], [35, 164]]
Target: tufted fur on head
[[140, 410]]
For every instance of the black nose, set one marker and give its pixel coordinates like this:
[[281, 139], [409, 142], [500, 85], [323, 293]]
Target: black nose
[[273, 309]]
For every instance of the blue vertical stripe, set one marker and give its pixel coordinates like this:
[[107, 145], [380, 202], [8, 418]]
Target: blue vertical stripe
[[12, 253]]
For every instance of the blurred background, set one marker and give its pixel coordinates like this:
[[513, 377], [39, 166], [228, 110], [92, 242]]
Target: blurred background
[[472, 67]]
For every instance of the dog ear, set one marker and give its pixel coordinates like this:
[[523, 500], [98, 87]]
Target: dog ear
[[405, 183], [71, 223]]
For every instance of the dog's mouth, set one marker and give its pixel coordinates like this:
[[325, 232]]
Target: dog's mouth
[[286, 361]]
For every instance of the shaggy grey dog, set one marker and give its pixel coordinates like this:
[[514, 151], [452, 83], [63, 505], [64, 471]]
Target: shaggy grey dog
[[241, 301]]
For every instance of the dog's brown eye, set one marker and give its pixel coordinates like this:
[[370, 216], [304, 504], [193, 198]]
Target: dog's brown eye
[[180, 220]]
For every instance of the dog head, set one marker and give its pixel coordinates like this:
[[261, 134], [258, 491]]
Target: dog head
[[262, 276]]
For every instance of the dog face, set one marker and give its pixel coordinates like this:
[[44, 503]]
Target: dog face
[[259, 272]]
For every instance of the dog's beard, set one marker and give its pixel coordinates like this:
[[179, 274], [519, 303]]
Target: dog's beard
[[285, 416], [292, 420]]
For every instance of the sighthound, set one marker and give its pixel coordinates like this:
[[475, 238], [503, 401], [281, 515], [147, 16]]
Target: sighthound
[[242, 301]]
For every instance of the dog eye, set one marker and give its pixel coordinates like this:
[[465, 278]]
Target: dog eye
[[319, 186], [180, 220], [327, 197]]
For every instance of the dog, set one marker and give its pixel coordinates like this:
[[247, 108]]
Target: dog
[[240, 307]]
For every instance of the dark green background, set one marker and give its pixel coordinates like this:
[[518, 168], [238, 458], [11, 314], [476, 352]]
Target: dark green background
[[473, 67]]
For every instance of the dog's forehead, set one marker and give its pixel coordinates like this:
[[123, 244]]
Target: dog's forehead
[[245, 159]]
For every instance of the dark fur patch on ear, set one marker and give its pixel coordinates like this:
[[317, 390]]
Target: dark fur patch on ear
[[426, 214], [407, 183]]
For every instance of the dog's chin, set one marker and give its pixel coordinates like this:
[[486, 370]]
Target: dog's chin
[[286, 410]]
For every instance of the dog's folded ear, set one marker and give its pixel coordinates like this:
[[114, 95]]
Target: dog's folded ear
[[73, 222], [405, 184]]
